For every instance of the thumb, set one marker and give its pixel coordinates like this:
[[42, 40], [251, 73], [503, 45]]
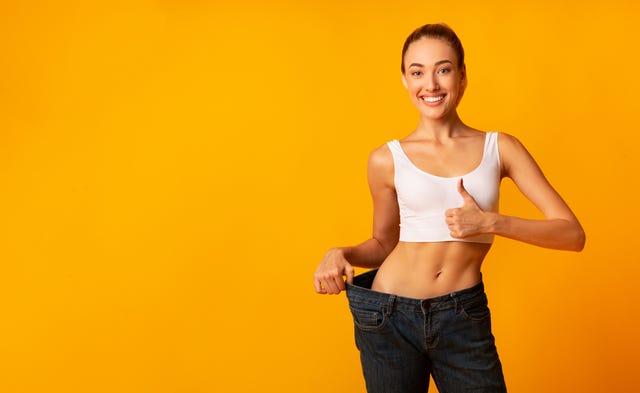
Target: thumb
[[349, 272], [464, 193], [461, 189]]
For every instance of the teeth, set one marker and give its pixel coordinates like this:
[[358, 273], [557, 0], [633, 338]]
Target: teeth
[[433, 99]]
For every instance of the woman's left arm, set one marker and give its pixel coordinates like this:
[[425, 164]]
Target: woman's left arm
[[560, 229]]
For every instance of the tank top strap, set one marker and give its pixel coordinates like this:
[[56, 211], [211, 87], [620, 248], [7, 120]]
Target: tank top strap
[[396, 151], [491, 147], [394, 146]]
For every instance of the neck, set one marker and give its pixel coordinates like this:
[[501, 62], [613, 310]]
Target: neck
[[440, 128]]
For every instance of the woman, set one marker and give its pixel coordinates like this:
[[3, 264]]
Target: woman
[[423, 310]]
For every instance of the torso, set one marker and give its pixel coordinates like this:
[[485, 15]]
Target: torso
[[424, 270], [427, 269]]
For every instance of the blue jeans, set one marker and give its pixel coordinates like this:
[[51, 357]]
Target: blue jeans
[[402, 341]]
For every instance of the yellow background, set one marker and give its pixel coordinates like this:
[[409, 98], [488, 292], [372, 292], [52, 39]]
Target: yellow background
[[172, 171]]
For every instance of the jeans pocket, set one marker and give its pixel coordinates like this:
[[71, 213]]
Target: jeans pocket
[[368, 316], [476, 309]]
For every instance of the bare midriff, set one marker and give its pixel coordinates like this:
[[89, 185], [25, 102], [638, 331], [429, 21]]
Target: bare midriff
[[425, 270]]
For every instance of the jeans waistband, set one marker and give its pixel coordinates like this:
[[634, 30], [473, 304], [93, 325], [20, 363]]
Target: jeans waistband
[[360, 291]]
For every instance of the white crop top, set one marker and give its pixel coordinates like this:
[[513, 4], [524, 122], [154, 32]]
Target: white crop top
[[423, 198]]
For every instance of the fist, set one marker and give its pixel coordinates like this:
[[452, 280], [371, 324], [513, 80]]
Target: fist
[[466, 220], [329, 276]]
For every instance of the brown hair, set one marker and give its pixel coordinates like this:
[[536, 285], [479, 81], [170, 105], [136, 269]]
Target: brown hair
[[436, 30]]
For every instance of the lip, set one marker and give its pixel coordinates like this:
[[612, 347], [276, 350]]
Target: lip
[[435, 103]]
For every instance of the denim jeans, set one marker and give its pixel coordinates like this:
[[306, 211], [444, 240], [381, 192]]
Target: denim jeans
[[402, 340]]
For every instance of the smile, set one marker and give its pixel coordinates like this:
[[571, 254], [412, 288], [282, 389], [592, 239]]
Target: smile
[[433, 99]]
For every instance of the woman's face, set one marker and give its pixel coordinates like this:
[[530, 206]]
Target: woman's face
[[432, 77]]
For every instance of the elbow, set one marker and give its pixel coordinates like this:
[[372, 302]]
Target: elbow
[[579, 240], [583, 240], [387, 244]]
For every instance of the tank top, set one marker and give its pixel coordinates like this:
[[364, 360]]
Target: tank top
[[423, 198]]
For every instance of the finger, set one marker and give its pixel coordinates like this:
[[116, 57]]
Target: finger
[[318, 286], [464, 193], [451, 214], [461, 189], [348, 270], [330, 286], [456, 232], [339, 283], [324, 282]]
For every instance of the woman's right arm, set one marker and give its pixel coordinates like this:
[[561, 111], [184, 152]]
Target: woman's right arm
[[338, 262]]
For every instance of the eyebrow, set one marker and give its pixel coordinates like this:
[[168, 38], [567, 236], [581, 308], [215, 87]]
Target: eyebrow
[[436, 63]]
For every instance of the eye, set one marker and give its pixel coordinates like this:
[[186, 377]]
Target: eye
[[416, 73], [444, 70]]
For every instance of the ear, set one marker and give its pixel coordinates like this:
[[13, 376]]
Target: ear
[[463, 83], [463, 75], [404, 81]]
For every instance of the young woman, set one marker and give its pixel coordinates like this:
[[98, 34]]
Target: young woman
[[423, 311]]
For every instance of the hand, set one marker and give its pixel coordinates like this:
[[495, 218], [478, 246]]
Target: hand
[[468, 220], [328, 278]]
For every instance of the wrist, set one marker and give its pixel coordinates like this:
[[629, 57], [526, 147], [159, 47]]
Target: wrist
[[493, 223], [341, 251], [347, 252]]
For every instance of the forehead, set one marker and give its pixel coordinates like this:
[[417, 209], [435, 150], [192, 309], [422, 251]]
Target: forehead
[[429, 50]]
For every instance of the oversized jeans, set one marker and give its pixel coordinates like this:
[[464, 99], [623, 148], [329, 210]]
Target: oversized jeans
[[402, 340]]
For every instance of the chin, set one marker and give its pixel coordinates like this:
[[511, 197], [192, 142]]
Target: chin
[[440, 115]]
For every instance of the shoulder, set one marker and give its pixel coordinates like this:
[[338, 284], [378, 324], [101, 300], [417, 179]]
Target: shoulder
[[381, 158], [380, 167], [510, 146], [508, 141], [513, 153]]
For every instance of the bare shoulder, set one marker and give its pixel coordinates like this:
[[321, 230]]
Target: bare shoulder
[[515, 159], [511, 148], [380, 166], [509, 142], [380, 158]]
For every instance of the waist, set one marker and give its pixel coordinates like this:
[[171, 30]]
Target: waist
[[361, 290], [420, 270]]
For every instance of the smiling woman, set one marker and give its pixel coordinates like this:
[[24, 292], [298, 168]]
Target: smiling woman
[[422, 310], [434, 77]]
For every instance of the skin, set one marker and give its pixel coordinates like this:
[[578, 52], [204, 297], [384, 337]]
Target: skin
[[444, 146]]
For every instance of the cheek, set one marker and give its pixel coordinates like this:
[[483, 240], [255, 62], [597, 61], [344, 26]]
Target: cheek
[[413, 87]]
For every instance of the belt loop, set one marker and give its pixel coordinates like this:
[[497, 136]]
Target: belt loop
[[456, 300], [392, 301]]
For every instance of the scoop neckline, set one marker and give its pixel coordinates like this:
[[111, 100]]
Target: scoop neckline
[[484, 155]]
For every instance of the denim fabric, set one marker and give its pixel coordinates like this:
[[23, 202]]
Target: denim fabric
[[402, 341]]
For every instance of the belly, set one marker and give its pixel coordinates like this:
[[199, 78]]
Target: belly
[[424, 270]]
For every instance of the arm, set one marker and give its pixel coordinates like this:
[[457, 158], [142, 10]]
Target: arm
[[339, 262], [559, 229]]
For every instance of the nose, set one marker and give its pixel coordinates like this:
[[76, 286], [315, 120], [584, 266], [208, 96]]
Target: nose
[[431, 83]]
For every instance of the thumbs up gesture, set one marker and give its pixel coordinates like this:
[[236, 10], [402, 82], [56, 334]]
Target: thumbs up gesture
[[467, 220]]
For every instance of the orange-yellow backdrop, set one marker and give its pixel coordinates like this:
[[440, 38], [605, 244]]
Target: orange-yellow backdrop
[[172, 171]]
